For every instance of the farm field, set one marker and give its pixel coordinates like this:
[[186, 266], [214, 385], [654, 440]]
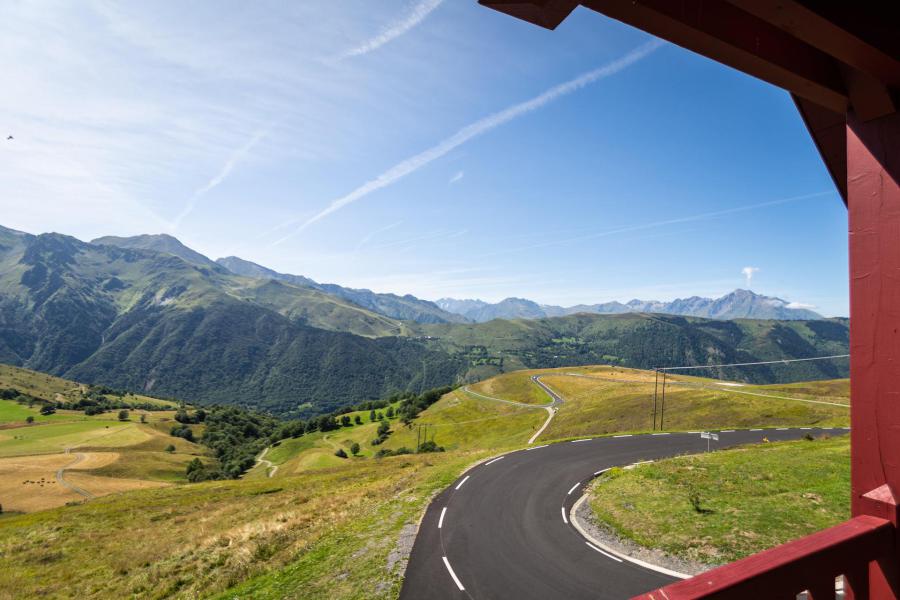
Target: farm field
[[98, 454]]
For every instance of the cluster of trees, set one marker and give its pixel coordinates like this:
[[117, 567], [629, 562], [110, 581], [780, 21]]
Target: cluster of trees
[[236, 436], [96, 400]]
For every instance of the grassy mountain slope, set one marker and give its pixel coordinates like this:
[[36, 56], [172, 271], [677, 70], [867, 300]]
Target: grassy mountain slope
[[163, 243], [649, 340], [406, 307], [150, 321]]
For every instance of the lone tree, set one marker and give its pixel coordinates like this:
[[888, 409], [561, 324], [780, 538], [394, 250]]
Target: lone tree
[[29, 419], [372, 416], [143, 417], [354, 449], [345, 421], [357, 419], [340, 453], [123, 415]]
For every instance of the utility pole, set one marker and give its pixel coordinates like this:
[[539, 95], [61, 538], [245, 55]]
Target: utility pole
[[662, 404], [655, 392]]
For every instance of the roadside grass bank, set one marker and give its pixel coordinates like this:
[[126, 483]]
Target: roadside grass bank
[[326, 534], [719, 507]]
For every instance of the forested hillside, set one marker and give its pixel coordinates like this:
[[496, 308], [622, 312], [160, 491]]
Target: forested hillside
[[149, 321], [177, 326]]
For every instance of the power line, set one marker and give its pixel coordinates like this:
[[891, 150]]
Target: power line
[[665, 370], [747, 364]]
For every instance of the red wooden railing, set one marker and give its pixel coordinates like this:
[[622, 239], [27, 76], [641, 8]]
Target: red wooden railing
[[810, 564]]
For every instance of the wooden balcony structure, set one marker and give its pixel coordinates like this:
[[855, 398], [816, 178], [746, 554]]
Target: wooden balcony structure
[[841, 63]]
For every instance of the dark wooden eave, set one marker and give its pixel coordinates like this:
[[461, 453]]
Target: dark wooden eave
[[832, 57]]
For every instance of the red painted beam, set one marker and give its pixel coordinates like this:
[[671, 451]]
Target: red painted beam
[[829, 133], [873, 198], [787, 570], [852, 47], [544, 13], [727, 34]]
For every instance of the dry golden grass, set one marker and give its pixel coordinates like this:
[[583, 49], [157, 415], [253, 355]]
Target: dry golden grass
[[28, 483], [102, 486]]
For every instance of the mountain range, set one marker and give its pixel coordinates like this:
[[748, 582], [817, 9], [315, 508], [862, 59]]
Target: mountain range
[[739, 304], [149, 314]]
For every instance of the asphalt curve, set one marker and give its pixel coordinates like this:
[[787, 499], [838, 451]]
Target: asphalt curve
[[501, 531]]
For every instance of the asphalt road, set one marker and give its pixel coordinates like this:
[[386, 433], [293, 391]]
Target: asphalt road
[[501, 531]]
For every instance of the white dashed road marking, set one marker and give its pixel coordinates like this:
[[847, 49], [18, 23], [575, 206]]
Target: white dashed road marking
[[453, 575], [574, 487], [465, 479], [606, 554], [441, 520]]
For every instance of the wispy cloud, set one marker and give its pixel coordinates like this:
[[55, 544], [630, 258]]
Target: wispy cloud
[[557, 241], [414, 163], [416, 15], [748, 273], [459, 175], [236, 157], [371, 235], [802, 305]]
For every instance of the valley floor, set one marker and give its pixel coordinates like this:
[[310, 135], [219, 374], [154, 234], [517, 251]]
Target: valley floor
[[318, 526]]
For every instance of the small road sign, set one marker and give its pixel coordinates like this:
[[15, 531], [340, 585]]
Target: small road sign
[[706, 435]]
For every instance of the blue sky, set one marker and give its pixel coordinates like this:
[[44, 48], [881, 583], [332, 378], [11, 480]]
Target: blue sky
[[428, 147]]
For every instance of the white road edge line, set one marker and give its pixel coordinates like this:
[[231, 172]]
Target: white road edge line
[[565, 520], [574, 487], [465, 479], [601, 471], [453, 575], [806, 428], [756, 430], [606, 554], [441, 520], [536, 447], [693, 432], [492, 461], [620, 436], [727, 431], [660, 434], [577, 525], [581, 440], [781, 429]]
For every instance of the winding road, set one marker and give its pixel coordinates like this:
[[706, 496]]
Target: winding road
[[61, 475], [502, 531]]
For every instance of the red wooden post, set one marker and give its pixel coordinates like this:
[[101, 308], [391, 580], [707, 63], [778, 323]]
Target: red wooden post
[[873, 198]]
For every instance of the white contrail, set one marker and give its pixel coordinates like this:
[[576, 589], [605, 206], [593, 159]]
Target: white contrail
[[475, 129], [415, 16], [651, 225], [223, 173]]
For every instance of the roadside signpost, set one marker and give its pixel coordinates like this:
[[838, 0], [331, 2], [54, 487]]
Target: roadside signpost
[[706, 435]]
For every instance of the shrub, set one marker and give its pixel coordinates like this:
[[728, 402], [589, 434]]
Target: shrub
[[29, 419], [123, 415], [430, 446], [354, 449], [340, 453], [48, 409]]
